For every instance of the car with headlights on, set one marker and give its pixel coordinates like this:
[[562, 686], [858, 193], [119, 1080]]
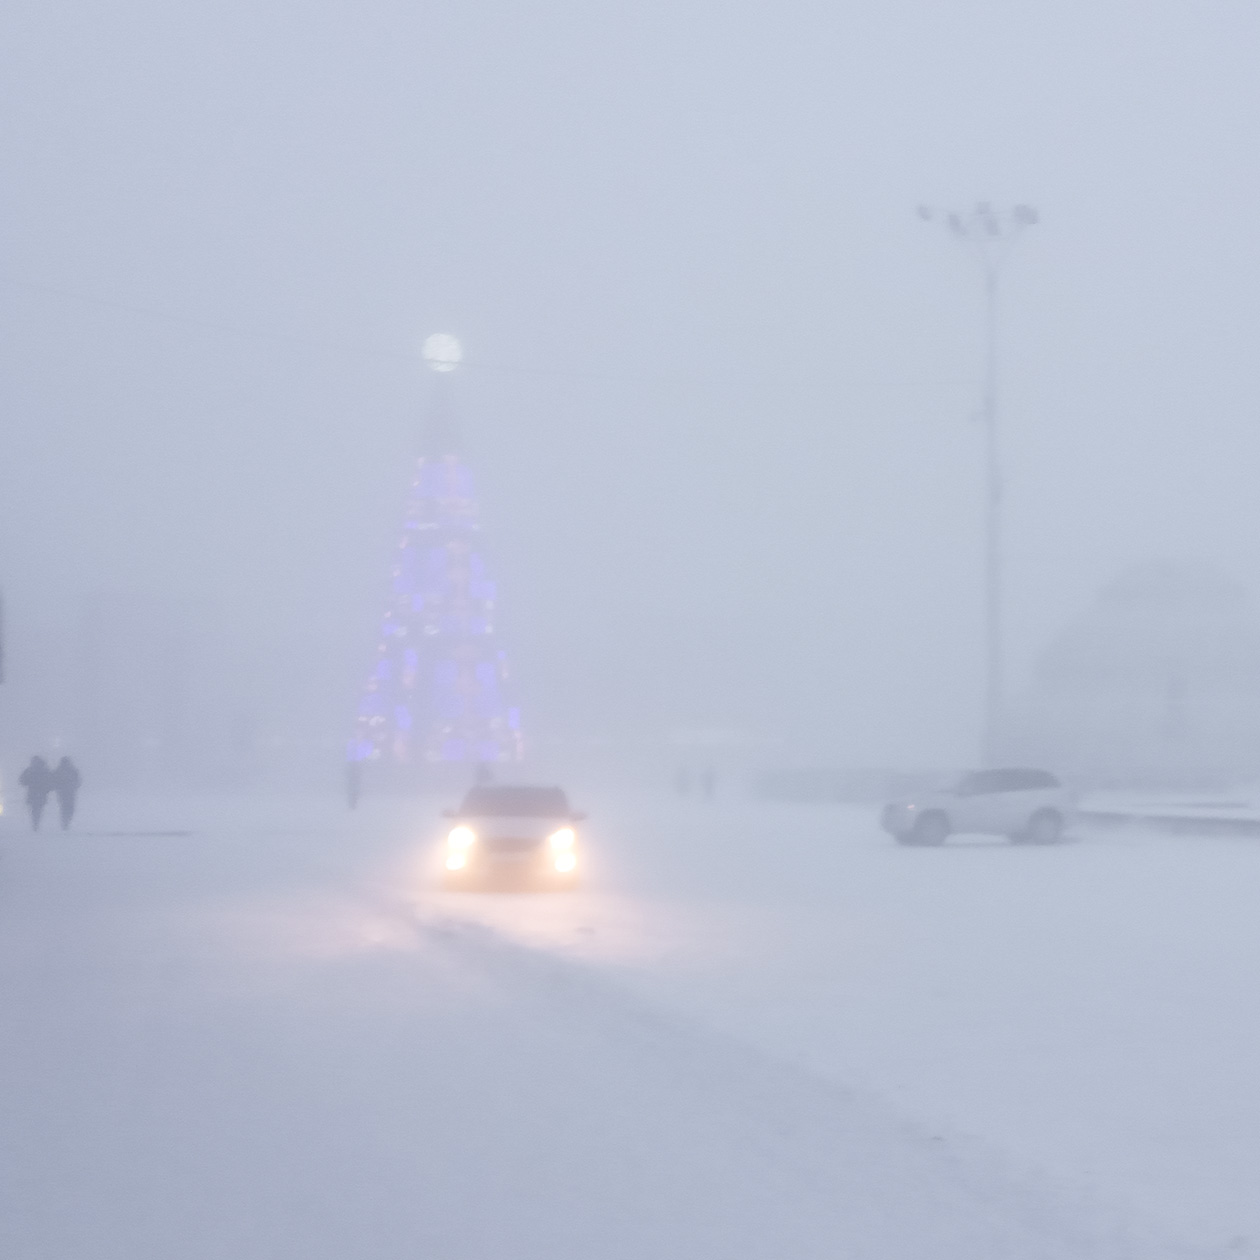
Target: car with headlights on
[[519, 835], [1027, 806]]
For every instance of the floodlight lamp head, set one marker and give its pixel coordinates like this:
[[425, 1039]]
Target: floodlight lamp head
[[442, 352]]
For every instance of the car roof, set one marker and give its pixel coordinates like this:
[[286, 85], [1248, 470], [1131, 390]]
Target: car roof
[[1011, 778], [526, 800]]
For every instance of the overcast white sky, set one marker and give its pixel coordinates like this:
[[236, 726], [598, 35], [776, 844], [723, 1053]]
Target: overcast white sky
[[719, 379]]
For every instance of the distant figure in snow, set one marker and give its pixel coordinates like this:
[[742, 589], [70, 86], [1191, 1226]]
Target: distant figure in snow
[[708, 783], [65, 781], [37, 780], [354, 782]]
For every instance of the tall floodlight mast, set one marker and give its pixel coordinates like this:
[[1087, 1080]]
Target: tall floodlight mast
[[438, 691], [989, 235]]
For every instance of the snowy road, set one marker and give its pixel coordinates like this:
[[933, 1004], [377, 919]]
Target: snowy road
[[760, 1032]]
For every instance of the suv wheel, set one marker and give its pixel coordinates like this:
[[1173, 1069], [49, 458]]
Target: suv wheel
[[930, 829], [1044, 827]]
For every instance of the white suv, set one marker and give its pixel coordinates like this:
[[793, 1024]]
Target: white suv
[[1029, 806]]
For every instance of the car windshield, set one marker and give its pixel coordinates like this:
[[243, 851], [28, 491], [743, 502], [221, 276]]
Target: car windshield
[[976, 782], [516, 802]]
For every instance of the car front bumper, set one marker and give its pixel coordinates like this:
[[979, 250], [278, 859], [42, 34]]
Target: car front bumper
[[515, 860]]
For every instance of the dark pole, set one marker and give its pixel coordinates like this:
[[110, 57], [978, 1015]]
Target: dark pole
[[994, 689], [990, 233]]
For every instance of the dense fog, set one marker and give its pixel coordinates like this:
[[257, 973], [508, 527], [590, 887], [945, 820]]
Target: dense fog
[[720, 383], [638, 794]]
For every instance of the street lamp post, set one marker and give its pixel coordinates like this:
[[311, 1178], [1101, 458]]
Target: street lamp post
[[989, 233]]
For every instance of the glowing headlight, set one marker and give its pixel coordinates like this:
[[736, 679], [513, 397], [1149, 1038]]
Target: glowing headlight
[[566, 861], [456, 861], [562, 839], [461, 838]]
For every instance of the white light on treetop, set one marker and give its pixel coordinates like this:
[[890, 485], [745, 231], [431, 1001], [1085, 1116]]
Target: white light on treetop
[[442, 352]]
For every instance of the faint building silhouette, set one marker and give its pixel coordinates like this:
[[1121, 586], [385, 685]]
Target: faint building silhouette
[[1158, 683], [152, 701]]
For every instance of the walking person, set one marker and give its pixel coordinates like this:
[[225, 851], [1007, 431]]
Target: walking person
[[65, 781], [708, 783], [37, 780]]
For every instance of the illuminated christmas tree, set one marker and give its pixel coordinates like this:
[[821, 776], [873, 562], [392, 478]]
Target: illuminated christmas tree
[[438, 692]]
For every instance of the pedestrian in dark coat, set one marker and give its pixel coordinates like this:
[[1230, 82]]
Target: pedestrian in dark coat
[[65, 781], [708, 783], [37, 780]]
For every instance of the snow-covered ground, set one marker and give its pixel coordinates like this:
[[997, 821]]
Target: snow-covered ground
[[760, 1031]]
